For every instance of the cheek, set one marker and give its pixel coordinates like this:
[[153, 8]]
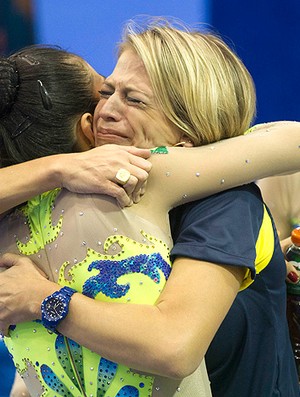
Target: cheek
[[96, 113]]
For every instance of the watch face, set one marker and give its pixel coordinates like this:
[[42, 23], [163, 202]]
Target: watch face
[[54, 308]]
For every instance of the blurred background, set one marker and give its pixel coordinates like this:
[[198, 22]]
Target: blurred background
[[264, 33]]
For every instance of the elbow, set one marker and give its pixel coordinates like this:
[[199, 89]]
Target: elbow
[[177, 360]]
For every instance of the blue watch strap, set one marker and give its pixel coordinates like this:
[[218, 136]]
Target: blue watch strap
[[50, 319]]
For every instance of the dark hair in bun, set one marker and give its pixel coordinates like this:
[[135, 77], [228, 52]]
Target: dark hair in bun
[[9, 83]]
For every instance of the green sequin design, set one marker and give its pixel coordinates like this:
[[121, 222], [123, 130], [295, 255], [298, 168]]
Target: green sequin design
[[159, 150], [38, 212]]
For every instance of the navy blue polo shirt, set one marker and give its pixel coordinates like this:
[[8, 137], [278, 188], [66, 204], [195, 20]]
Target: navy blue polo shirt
[[250, 355]]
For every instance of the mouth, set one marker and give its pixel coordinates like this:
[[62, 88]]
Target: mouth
[[111, 136]]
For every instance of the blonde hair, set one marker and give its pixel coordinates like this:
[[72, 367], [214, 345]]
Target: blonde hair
[[199, 83]]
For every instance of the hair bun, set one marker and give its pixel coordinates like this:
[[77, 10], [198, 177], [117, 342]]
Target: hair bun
[[9, 83]]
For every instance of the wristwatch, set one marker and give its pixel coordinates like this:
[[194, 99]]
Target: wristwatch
[[56, 307]]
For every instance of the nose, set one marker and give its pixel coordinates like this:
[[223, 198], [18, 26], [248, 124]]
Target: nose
[[110, 108]]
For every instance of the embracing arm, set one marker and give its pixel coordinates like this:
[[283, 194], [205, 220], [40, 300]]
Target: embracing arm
[[87, 172], [192, 173], [169, 339]]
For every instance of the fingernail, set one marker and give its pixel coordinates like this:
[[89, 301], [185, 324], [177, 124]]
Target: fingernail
[[293, 277]]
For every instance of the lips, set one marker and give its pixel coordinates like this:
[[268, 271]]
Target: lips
[[111, 136]]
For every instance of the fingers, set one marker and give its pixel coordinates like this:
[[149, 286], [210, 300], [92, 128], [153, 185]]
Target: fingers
[[137, 195], [142, 153], [9, 260], [285, 244], [292, 273]]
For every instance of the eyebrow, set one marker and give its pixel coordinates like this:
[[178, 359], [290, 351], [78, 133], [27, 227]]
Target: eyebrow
[[128, 88]]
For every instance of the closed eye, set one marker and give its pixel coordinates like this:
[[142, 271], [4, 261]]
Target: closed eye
[[105, 94], [135, 101]]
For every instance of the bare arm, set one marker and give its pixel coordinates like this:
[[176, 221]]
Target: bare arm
[[201, 171], [193, 173], [169, 338], [89, 172]]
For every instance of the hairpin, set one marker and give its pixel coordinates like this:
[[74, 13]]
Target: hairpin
[[46, 99], [26, 123], [29, 60]]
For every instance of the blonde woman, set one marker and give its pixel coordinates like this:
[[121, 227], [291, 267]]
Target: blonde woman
[[126, 306]]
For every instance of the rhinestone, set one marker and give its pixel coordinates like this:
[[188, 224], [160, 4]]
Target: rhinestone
[[157, 388], [197, 174], [168, 173], [184, 196], [81, 213], [178, 389], [247, 161], [222, 181]]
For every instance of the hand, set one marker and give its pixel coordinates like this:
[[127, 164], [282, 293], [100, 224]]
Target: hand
[[19, 388], [22, 289], [291, 271], [95, 171]]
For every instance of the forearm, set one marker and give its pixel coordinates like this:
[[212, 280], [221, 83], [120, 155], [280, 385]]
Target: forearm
[[169, 338], [130, 334], [23, 181], [93, 171]]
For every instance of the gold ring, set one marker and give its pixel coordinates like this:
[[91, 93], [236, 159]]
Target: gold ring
[[122, 176]]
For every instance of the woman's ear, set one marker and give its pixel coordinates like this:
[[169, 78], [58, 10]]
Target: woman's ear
[[185, 142], [85, 135]]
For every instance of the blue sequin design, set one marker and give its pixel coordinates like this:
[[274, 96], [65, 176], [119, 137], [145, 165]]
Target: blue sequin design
[[110, 271], [53, 382], [106, 372], [128, 391]]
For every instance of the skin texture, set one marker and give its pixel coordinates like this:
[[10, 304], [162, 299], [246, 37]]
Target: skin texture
[[174, 335], [160, 344], [127, 113]]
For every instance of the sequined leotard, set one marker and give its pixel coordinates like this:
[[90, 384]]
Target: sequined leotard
[[98, 253]]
